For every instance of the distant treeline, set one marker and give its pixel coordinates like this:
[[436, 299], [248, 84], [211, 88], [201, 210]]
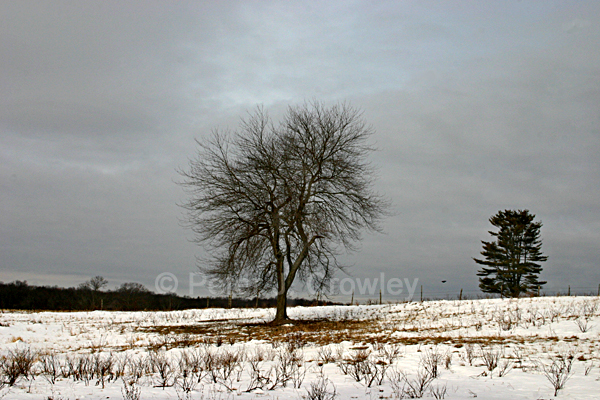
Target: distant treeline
[[19, 295]]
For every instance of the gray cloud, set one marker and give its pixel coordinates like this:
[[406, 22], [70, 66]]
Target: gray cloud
[[476, 106]]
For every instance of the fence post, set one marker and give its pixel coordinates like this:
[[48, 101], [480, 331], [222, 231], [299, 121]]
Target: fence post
[[380, 297], [352, 301], [460, 295], [421, 293], [569, 292]]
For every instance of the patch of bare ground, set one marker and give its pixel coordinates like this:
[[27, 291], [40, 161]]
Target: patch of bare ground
[[324, 332]]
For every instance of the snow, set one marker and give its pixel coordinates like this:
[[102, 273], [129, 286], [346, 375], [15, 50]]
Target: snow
[[527, 334]]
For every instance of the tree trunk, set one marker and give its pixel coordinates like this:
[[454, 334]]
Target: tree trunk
[[281, 315]]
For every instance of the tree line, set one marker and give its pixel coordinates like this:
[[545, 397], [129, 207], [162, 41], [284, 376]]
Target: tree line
[[277, 202], [19, 295]]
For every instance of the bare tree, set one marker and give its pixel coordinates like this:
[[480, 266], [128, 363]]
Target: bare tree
[[95, 284], [275, 202]]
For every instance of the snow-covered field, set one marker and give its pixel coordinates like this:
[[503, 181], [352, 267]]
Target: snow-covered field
[[490, 349]]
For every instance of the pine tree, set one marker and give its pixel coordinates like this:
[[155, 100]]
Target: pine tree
[[511, 263]]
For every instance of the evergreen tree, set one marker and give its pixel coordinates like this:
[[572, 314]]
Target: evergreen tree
[[511, 263]]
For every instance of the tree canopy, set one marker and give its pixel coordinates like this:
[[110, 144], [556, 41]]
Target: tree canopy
[[276, 202], [511, 263]]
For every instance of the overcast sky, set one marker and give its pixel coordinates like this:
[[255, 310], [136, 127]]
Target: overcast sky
[[477, 106]]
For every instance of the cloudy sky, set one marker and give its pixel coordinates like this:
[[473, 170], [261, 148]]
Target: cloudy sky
[[477, 106]]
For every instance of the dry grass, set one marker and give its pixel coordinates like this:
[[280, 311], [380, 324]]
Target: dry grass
[[318, 332], [322, 333]]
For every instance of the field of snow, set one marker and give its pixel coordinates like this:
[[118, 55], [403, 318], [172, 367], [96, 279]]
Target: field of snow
[[490, 349]]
